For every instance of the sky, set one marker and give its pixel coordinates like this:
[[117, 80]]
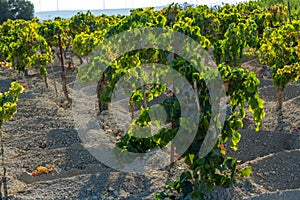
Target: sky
[[50, 5]]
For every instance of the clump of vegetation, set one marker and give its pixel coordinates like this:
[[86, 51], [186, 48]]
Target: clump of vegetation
[[16, 9]]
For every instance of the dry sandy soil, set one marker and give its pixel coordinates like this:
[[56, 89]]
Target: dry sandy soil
[[42, 132]]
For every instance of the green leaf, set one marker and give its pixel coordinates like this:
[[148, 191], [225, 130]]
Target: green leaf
[[246, 172], [189, 159]]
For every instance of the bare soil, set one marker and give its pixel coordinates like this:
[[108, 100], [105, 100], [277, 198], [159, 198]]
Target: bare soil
[[42, 132]]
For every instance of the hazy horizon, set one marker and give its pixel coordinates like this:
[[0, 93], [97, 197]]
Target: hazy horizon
[[71, 5]]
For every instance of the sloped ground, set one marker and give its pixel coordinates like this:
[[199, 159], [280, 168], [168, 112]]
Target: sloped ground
[[42, 132]]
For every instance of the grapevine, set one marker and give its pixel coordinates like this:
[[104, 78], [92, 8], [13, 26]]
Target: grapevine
[[280, 52], [23, 46], [8, 107], [243, 87]]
